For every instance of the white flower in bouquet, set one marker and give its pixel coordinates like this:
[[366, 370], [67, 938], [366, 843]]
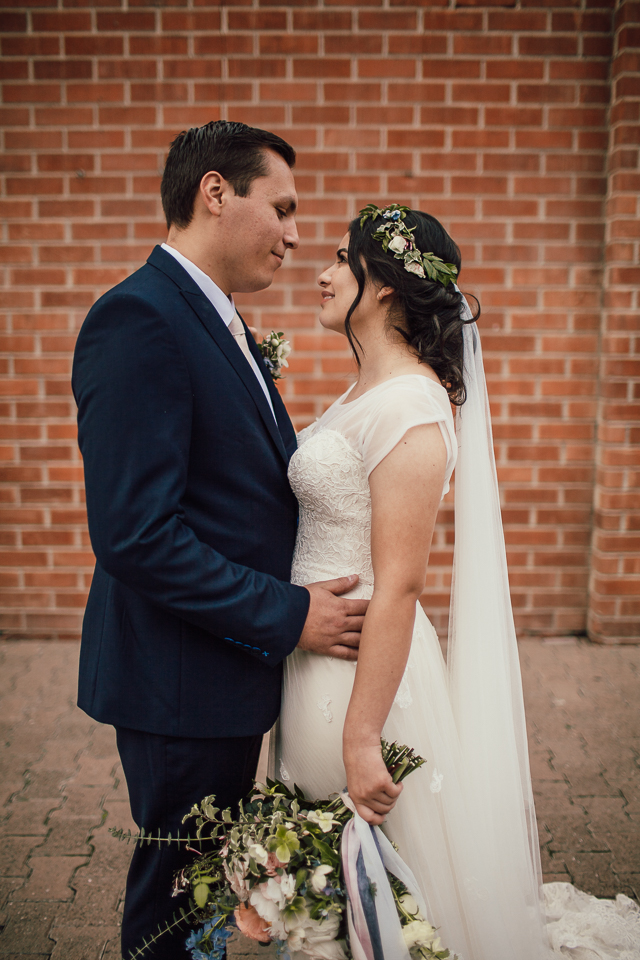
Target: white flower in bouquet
[[318, 879], [398, 244], [410, 905], [269, 910], [323, 819], [258, 853], [236, 874], [418, 933], [279, 890], [316, 938]]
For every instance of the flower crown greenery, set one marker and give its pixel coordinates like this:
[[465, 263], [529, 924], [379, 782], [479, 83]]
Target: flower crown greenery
[[395, 235]]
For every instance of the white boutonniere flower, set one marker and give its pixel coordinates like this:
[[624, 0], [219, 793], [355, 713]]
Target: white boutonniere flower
[[275, 349]]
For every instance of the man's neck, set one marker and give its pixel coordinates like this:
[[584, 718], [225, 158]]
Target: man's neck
[[191, 248]]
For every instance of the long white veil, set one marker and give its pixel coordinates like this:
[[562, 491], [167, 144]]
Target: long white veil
[[484, 672]]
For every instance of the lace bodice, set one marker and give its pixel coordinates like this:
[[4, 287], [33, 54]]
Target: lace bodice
[[329, 473]]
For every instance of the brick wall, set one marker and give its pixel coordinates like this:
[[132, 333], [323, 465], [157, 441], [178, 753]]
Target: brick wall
[[494, 118], [615, 582]]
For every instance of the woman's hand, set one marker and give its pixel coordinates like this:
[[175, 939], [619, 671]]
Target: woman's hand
[[369, 782]]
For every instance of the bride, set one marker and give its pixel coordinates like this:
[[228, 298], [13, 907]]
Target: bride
[[369, 476]]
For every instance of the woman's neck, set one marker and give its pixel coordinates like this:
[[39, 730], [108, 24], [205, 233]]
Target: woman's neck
[[385, 355]]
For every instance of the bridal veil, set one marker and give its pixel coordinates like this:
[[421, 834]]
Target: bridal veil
[[484, 675]]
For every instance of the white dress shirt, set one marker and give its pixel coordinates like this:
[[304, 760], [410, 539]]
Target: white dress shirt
[[221, 302]]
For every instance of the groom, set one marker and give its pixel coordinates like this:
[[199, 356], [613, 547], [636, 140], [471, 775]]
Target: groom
[[186, 443]]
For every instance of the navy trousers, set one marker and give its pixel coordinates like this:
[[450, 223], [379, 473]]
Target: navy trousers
[[165, 777]]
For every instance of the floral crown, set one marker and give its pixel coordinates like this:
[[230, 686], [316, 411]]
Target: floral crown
[[396, 236]]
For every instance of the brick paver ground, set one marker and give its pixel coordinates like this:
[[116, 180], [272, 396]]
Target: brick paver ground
[[62, 874]]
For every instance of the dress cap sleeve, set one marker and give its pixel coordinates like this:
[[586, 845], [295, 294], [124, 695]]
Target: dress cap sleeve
[[405, 403]]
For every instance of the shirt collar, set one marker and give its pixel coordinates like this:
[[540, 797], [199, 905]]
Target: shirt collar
[[222, 303]]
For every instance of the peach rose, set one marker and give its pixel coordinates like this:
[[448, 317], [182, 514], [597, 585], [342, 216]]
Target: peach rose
[[273, 864], [251, 923]]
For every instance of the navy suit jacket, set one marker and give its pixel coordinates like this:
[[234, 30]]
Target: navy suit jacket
[[191, 517]]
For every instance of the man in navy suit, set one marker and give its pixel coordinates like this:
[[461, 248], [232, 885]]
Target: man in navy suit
[[186, 444]]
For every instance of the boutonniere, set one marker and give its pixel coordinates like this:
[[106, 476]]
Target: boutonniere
[[275, 349]]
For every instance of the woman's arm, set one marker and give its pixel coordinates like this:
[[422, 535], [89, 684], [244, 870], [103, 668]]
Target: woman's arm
[[406, 488]]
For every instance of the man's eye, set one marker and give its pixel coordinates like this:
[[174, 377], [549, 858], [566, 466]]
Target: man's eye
[[282, 213]]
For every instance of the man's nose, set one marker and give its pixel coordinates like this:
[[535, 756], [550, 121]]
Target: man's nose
[[291, 238]]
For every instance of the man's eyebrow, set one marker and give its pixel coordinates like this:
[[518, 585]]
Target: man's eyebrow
[[289, 202]]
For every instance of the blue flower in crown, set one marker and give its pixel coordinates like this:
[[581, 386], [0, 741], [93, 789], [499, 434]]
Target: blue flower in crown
[[391, 214]]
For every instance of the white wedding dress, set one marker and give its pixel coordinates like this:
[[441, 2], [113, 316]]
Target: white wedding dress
[[481, 909]]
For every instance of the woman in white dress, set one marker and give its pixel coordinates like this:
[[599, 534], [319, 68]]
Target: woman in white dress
[[369, 477]]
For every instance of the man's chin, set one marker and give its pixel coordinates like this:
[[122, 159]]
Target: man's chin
[[254, 284]]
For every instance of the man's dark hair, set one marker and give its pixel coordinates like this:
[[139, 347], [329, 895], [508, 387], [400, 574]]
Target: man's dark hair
[[234, 150]]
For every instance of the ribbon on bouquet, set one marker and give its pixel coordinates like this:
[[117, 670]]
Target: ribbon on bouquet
[[375, 932]]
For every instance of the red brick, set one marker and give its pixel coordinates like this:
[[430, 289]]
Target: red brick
[[513, 117], [58, 22], [386, 20], [449, 116], [483, 45], [62, 69], [161, 45], [93, 46], [108, 69], [262, 20], [121, 20], [31, 93], [64, 116]]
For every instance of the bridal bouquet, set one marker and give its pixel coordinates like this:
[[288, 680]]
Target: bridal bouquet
[[291, 871]]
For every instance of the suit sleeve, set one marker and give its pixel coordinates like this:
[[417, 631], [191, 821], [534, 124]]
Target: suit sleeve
[[134, 425]]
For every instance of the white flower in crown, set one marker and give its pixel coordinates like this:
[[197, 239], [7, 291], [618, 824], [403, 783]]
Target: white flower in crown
[[415, 267], [398, 244]]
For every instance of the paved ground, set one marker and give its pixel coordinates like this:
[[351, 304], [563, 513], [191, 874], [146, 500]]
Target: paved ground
[[62, 875]]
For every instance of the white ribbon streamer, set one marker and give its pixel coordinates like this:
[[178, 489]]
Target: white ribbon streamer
[[378, 857]]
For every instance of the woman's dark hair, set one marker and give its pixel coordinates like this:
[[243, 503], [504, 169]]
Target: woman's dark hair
[[234, 150], [424, 312]]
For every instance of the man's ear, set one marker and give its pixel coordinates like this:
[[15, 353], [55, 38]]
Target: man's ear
[[213, 188]]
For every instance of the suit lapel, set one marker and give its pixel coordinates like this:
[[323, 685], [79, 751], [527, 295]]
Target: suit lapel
[[217, 328], [285, 426]]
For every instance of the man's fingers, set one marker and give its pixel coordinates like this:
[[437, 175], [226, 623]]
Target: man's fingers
[[354, 624], [355, 608], [343, 653], [348, 639], [340, 584]]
